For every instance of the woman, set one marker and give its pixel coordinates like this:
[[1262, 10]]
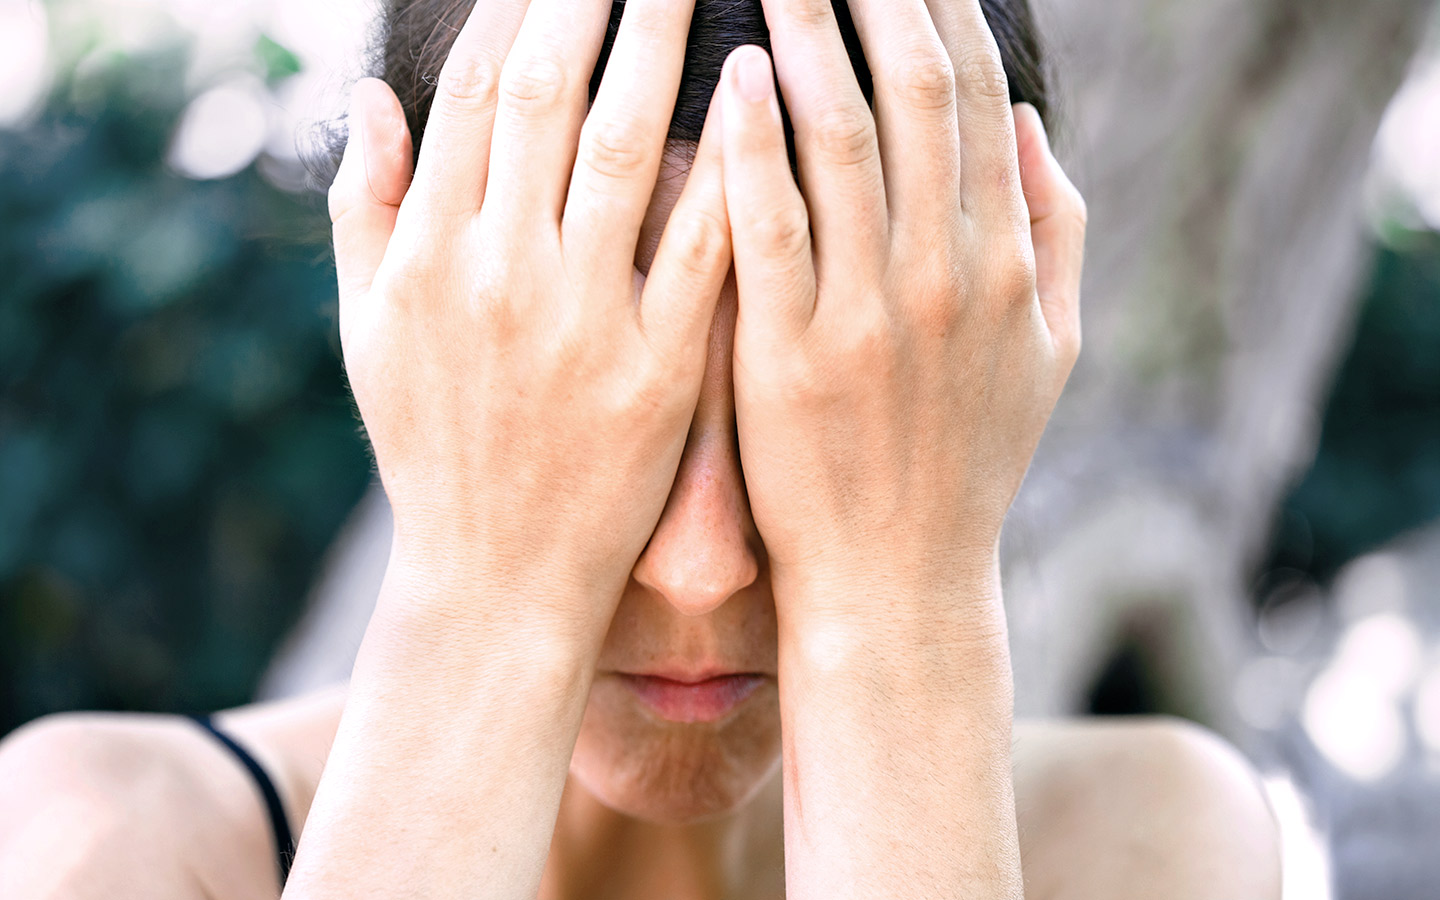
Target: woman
[[693, 591]]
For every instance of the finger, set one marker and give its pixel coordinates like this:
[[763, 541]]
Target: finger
[[623, 138], [1057, 228], [769, 225], [369, 187], [544, 89], [689, 268], [455, 151], [987, 128], [915, 111], [836, 146]]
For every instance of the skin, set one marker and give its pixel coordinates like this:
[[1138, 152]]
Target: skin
[[562, 363], [140, 806]]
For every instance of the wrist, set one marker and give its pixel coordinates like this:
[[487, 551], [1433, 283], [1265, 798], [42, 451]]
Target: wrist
[[463, 549], [453, 736], [442, 601], [915, 631], [900, 652], [947, 597]]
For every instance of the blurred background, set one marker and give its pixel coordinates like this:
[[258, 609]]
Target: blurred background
[[1235, 516]]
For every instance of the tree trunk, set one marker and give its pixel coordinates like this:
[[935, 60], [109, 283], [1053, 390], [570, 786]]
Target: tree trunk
[[1221, 145]]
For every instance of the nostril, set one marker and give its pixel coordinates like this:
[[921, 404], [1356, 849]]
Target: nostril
[[697, 580], [699, 555]]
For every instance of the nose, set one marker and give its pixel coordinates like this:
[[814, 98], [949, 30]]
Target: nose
[[704, 549], [700, 554]]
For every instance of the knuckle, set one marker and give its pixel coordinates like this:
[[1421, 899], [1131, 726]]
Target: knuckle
[[674, 363], [654, 389], [1005, 283], [808, 13], [618, 149], [936, 311], [419, 272], [868, 344], [982, 74], [807, 387], [496, 287], [643, 393], [700, 243], [845, 135], [421, 256], [471, 82], [535, 84], [926, 80], [650, 31], [783, 232], [1014, 279], [407, 288]]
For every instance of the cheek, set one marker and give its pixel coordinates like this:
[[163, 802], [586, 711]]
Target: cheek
[[673, 773]]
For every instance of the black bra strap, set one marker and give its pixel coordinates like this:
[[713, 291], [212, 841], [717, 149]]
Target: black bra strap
[[279, 825]]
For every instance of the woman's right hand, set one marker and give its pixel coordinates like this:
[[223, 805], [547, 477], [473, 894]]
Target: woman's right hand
[[527, 392]]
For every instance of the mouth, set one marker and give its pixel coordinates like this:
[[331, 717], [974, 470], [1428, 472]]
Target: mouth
[[702, 700]]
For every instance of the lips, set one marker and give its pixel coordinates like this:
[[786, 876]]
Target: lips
[[706, 700]]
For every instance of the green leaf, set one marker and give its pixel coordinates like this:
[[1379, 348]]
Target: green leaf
[[279, 61]]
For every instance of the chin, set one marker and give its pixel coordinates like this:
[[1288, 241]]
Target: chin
[[671, 773]]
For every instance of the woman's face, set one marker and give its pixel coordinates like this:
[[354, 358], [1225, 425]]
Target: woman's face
[[698, 602]]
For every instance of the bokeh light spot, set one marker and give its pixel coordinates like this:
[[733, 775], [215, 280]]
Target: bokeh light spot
[[24, 59], [1427, 709], [1354, 726], [221, 131], [1385, 651]]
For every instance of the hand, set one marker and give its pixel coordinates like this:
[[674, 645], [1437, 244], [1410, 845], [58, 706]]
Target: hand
[[906, 325], [526, 390]]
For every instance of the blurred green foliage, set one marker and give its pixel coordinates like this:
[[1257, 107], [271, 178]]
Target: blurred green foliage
[[1377, 472], [177, 446]]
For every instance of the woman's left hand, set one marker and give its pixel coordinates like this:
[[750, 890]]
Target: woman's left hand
[[905, 329], [906, 326]]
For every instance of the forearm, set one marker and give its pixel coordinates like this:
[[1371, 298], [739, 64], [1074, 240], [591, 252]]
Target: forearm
[[897, 752], [447, 770]]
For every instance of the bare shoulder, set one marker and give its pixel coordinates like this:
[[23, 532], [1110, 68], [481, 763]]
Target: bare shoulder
[[1144, 807], [126, 805]]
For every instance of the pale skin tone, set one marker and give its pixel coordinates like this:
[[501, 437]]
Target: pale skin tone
[[561, 380]]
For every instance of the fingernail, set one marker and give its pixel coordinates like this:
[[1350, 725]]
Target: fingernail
[[1039, 121], [752, 75]]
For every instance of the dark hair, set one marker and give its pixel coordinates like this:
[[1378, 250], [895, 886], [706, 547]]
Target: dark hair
[[415, 37]]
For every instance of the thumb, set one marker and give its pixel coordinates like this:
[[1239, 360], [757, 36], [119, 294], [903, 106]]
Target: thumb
[[1057, 227], [373, 177]]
